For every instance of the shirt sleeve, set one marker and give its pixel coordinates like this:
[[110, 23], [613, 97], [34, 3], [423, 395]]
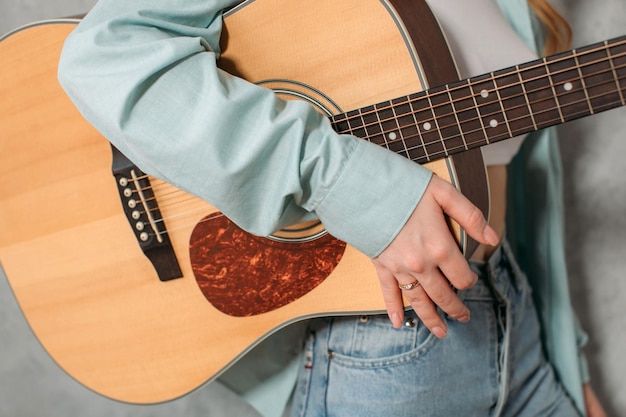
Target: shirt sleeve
[[144, 73]]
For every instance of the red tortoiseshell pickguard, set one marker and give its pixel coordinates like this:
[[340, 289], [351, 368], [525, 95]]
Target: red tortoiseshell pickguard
[[244, 275]]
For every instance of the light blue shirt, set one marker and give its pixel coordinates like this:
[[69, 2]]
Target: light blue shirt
[[144, 73]]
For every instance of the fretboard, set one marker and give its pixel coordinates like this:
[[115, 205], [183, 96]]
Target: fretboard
[[470, 113]]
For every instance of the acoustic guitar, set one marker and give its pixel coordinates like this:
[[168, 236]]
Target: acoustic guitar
[[136, 288]]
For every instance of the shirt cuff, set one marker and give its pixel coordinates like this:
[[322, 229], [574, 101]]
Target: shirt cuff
[[372, 198]]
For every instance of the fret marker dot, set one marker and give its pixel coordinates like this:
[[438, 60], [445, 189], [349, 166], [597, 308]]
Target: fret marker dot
[[427, 126], [493, 123], [484, 93], [568, 86], [392, 136]]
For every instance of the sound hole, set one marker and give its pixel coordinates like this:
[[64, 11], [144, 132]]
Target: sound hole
[[301, 232]]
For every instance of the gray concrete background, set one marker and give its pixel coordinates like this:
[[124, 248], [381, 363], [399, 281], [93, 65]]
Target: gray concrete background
[[595, 193]]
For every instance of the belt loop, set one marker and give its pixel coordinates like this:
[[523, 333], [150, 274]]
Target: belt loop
[[518, 276], [494, 262]]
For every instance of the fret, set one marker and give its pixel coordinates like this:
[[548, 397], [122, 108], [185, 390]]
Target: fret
[[523, 87], [384, 116], [614, 54], [455, 111], [556, 97], [427, 128], [489, 108], [432, 124], [598, 77], [355, 124], [447, 126], [340, 123], [584, 84], [483, 130], [513, 101], [540, 94], [413, 148], [506, 120], [371, 125], [467, 115], [618, 61], [566, 78], [415, 142], [390, 128], [432, 133]]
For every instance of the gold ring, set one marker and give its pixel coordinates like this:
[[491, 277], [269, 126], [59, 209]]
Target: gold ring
[[410, 286]]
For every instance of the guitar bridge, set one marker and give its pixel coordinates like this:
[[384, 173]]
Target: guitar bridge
[[143, 215]]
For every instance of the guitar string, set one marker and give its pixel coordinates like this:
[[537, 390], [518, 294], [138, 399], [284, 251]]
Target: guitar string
[[540, 64], [481, 116], [448, 102], [175, 191], [497, 137], [168, 197], [517, 84], [439, 154], [184, 217], [198, 210], [504, 135], [569, 56], [449, 138]]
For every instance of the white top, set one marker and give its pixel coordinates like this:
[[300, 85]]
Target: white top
[[481, 41]]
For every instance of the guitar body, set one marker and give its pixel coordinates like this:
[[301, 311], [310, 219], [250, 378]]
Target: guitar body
[[87, 290]]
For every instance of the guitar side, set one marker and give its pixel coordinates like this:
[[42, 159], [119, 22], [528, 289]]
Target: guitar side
[[86, 289]]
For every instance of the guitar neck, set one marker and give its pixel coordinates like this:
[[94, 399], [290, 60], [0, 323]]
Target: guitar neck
[[474, 112]]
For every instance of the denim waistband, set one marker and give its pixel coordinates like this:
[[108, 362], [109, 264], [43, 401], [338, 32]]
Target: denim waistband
[[496, 275]]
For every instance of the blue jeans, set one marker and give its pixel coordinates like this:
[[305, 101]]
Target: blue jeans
[[492, 366]]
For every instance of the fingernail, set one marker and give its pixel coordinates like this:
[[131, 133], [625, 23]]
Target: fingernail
[[464, 319], [396, 320], [439, 332], [491, 236]]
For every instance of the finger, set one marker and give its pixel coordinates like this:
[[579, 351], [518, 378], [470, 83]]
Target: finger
[[437, 287], [426, 311], [457, 271], [449, 261], [464, 212], [391, 296]]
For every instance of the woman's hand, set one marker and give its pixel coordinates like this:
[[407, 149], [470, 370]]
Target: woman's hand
[[594, 408], [426, 252]]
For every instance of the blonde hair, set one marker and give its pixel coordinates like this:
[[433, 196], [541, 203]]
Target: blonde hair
[[558, 32]]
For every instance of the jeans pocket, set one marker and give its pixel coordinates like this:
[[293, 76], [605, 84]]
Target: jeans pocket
[[372, 342], [381, 371]]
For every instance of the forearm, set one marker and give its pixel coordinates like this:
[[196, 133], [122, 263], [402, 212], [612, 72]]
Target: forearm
[[145, 74]]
